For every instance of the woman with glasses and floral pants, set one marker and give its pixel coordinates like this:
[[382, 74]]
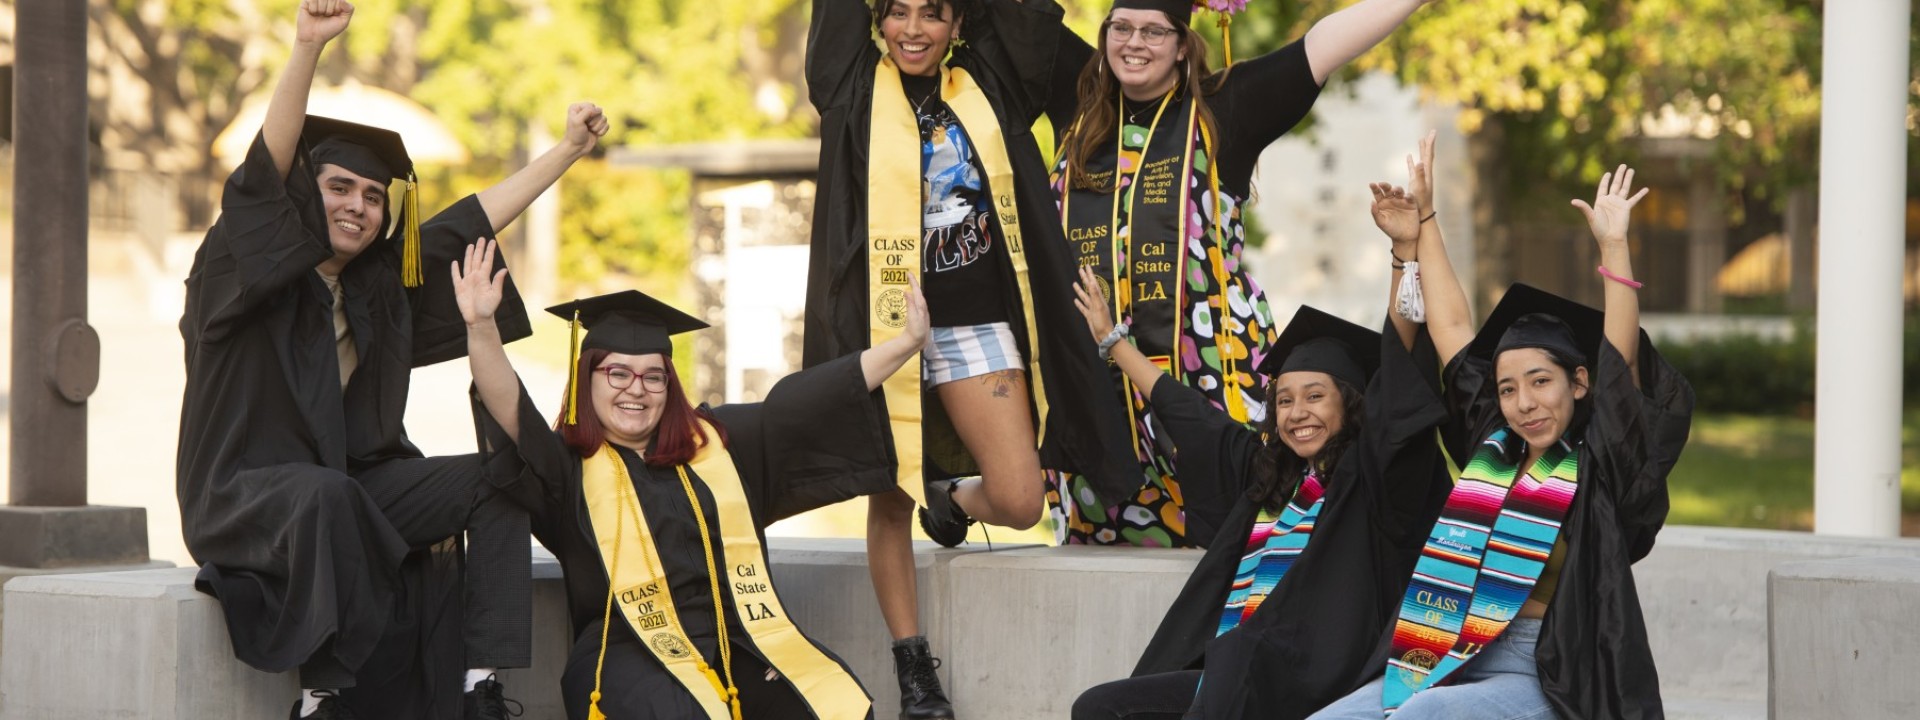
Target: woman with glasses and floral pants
[[1153, 117]]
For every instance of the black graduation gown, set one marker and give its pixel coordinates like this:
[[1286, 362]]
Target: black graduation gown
[[1313, 637], [302, 560], [1592, 654], [1011, 51], [813, 442]]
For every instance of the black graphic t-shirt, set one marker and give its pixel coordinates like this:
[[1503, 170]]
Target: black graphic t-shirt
[[960, 269]]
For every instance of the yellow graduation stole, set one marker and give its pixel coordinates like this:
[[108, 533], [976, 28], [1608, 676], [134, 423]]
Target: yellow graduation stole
[[894, 233], [636, 583]]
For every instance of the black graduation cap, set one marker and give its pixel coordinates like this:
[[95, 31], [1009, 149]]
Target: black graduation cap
[[1179, 11], [628, 322], [1315, 340], [376, 154], [1528, 317]]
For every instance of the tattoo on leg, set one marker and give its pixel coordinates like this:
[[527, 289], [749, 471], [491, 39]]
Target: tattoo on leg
[[1001, 381]]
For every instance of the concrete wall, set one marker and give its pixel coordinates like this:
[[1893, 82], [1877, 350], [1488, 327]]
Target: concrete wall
[[1845, 638], [1021, 630]]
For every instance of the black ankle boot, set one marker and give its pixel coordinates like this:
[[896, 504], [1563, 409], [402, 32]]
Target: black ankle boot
[[920, 695], [942, 519], [486, 701], [331, 707]]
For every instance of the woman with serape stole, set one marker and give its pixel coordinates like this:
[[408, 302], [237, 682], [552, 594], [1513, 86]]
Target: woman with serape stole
[[657, 510], [1152, 179], [1522, 604], [928, 166], [1314, 522]]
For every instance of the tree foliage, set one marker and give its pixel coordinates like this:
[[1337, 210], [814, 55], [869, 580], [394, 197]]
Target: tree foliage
[[666, 71], [1572, 81]]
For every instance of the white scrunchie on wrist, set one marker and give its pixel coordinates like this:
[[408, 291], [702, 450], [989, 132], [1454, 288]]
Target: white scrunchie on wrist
[[1113, 337], [1407, 300]]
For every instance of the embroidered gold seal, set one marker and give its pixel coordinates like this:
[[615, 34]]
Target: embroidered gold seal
[[1420, 658], [891, 308], [671, 646]]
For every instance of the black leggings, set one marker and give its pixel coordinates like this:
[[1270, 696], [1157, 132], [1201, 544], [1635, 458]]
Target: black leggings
[[1165, 696]]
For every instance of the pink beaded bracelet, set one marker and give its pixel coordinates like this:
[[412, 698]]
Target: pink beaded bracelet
[[1616, 278]]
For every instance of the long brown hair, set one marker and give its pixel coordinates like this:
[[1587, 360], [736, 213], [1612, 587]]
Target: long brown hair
[[675, 440], [1093, 126]]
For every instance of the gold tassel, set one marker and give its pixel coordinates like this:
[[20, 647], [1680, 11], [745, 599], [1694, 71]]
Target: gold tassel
[[1226, 38], [573, 369], [593, 708], [411, 273]]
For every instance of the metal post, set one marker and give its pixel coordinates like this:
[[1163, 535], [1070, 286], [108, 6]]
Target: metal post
[[56, 356], [1863, 138]]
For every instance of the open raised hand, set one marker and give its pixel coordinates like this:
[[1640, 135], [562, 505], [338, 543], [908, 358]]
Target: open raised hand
[[919, 322], [1395, 212], [1092, 303], [1612, 205], [477, 288], [1420, 175]]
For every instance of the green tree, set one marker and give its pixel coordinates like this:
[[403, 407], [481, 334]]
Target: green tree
[[1552, 91]]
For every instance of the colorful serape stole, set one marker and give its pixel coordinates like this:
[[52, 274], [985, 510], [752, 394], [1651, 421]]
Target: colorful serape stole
[[1480, 563], [1271, 549]]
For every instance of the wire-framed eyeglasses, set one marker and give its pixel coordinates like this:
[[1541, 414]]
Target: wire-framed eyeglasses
[[1152, 35]]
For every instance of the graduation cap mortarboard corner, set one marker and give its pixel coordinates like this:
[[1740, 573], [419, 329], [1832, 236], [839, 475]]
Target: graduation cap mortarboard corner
[[628, 322], [1530, 317], [1179, 11], [1317, 341], [376, 154]]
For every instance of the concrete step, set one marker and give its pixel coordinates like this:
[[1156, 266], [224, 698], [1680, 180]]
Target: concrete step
[[1021, 630]]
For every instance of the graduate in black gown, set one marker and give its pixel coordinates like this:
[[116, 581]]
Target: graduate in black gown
[[928, 166], [1191, 140], [1314, 522], [318, 525], [656, 509], [1565, 422]]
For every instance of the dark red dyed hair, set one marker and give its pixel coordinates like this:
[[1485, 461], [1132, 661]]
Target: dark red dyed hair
[[675, 439]]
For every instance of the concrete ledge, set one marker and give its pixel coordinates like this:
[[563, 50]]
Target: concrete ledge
[[1022, 630], [72, 537], [1845, 638], [138, 644], [825, 586], [1037, 626], [1704, 594]]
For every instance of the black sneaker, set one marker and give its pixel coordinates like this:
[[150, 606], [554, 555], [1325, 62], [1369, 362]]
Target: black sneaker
[[920, 695], [331, 708], [942, 519], [486, 702]]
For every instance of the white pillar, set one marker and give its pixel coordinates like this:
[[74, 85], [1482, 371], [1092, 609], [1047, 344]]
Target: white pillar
[[1863, 138], [539, 277]]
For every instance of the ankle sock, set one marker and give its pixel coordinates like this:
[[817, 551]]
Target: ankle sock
[[310, 700], [475, 675]]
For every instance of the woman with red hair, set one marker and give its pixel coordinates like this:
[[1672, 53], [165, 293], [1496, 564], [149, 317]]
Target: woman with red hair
[[656, 510]]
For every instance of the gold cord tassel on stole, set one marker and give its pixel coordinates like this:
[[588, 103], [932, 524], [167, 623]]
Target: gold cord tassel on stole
[[1226, 38], [606, 618], [411, 273], [724, 687], [573, 369], [1229, 366]]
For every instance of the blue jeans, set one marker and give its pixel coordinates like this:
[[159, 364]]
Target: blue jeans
[[1501, 683]]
